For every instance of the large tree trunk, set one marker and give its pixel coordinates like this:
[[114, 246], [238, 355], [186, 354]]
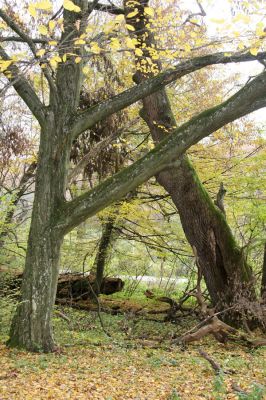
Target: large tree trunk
[[31, 326], [225, 270]]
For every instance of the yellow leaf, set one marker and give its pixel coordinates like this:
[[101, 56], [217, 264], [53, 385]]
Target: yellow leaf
[[80, 41], [130, 27], [64, 58], [131, 43], [4, 64], [43, 30], [133, 13], [119, 18], [149, 11], [52, 25], [77, 60], [95, 48], [254, 51], [115, 44], [40, 53], [139, 52], [44, 5], [32, 10], [85, 70], [54, 61], [260, 29], [70, 6], [52, 43]]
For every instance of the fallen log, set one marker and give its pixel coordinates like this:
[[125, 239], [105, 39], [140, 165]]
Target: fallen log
[[78, 286], [70, 285]]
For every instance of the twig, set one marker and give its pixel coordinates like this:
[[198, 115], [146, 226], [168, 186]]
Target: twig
[[215, 366], [62, 315], [99, 310], [238, 389]]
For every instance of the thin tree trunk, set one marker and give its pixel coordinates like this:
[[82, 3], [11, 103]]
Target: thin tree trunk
[[102, 253], [263, 279], [225, 270]]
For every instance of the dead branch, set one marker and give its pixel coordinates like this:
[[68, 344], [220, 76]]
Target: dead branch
[[215, 366]]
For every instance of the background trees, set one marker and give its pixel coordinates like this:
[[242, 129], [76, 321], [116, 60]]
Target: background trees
[[61, 55]]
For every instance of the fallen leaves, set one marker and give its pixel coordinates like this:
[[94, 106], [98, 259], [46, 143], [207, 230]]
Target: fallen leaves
[[117, 373]]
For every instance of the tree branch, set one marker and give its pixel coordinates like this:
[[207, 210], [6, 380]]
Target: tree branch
[[91, 116], [23, 88], [27, 39], [95, 151], [15, 27], [250, 98], [20, 40], [109, 8]]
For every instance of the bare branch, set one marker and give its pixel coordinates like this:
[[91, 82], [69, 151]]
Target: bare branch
[[24, 88], [21, 40], [90, 117], [190, 16], [109, 8], [15, 27], [27, 39], [94, 152]]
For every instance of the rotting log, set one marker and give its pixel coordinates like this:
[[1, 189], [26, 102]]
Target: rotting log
[[72, 285]]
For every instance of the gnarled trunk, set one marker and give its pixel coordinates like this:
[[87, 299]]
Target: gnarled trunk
[[226, 272]]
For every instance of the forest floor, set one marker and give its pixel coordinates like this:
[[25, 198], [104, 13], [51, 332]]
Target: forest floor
[[138, 362]]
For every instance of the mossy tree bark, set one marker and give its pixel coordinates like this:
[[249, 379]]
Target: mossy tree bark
[[102, 253], [224, 267], [61, 122]]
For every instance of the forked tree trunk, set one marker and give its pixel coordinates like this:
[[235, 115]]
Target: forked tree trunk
[[225, 270]]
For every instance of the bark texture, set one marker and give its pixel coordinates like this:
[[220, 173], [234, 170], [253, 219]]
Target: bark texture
[[31, 327]]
